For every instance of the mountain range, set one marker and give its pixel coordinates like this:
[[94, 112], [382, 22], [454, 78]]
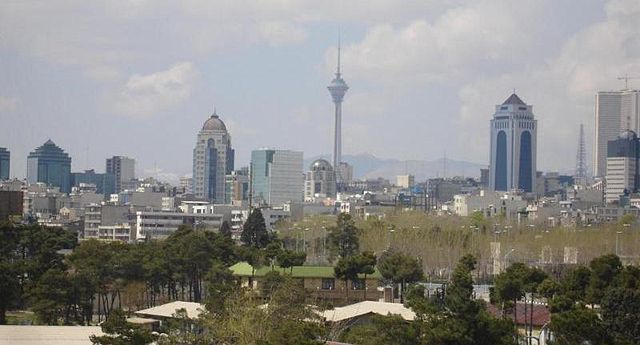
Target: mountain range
[[366, 165]]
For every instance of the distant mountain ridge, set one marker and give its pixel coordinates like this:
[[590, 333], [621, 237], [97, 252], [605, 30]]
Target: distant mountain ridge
[[366, 165]]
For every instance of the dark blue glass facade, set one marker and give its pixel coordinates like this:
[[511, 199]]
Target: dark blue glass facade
[[5, 163], [525, 179], [51, 165], [501, 162]]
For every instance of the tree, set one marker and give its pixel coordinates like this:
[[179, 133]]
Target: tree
[[620, 310], [254, 231], [366, 265], [347, 269], [382, 330], [119, 332], [343, 238], [399, 268], [225, 229], [603, 271], [9, 289], [289, 259], [578, 326]]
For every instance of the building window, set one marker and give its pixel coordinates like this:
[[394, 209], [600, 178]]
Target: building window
[[357, 284], [328, 284]]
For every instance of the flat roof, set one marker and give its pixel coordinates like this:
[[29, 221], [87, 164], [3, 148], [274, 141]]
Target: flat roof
[[368, 307], [47, 335], [167, 310]]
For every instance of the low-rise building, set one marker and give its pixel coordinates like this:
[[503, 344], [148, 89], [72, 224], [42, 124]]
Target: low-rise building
[[157, 224]]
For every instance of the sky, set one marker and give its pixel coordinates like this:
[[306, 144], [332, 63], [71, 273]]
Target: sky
[[139, 77]]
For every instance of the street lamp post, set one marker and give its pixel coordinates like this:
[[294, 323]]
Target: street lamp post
[[504, 258]]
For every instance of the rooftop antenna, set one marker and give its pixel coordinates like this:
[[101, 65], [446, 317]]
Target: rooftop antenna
[[626, 78], [339, 44]]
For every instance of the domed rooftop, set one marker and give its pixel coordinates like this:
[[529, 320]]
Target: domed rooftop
[[321, 165], [628, 134], [214, 124]]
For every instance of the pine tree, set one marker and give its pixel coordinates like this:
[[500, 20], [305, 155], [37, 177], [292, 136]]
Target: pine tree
[[254, 232]]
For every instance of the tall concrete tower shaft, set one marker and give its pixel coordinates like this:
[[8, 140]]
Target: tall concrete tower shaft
[[338, 88]]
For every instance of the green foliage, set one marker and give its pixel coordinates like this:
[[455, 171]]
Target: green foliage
[[603, 271], [382, 330], [620, 311], [399, 268], [119, 332], [578, 326], [254, 232], [343, 238], [225, 229]]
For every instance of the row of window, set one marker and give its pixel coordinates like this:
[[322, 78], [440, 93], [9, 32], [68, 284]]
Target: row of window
[[330, 284]]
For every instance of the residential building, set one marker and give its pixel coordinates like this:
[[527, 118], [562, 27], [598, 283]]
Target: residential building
[[513, 146], [123, 169], [120, 232], [615, 111], [51, 165], [489, 204], [213, 159], [97, 216], [237, 187], [186, 185], [622, 174], [5, 163], [319, 281], [320, 181], [405, 181], [276, 176], [105, 183], [11, 205]]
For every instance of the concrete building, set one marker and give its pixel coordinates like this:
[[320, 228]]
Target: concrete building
[[51, 165], [11, 205], [96, 216], [615, 111], [276, 177], [622, 174], [320, 181], [123, 169], [513, 146], [159, 225], [5, 163], [213, 159], [338, 88], [186, 185], [105, 183], [489, 204], [120, 232], [237, 187], [344, 173], [405, 181]]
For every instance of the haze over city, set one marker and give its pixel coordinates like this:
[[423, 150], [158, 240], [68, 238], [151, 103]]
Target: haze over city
[[138, 78]]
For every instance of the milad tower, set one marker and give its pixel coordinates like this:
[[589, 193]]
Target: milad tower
[[338, 88]]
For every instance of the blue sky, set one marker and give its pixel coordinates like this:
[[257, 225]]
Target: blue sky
[[139, 77]]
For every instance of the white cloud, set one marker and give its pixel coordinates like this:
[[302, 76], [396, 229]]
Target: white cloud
[[279, 33], [8, 103], [145, 95]]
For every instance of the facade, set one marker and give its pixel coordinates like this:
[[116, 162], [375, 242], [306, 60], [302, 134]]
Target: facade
[[622, 174], [276, 176], [5, 163], [489, 204], [97, 216], [213, 159], [405, 181], [237, 187], [51, 165], [159, 225], [124, 171], [513, 146], [105, 183], [615, 111], [338, 88], [320, 181], [11, 205]]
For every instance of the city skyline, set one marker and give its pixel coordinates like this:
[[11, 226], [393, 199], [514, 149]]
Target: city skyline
[[268, 78]]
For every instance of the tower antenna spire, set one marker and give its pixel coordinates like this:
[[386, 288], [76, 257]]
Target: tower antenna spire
[[339, 44]]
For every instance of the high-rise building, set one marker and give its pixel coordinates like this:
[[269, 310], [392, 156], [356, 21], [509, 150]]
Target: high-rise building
[[5, 163], [276, 176], [237, 186], [622, 173], [320, 181], [51, 165], [124, 170], [213, 159], [338, 88], [513, 146], [105, 183], [615, 112]]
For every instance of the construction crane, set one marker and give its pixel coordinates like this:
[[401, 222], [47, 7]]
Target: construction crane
[[626, 78]]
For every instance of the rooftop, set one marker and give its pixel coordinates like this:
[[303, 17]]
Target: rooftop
[[368, 307], [514, 99], [245, 270], [167, 310], [47, 335]]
